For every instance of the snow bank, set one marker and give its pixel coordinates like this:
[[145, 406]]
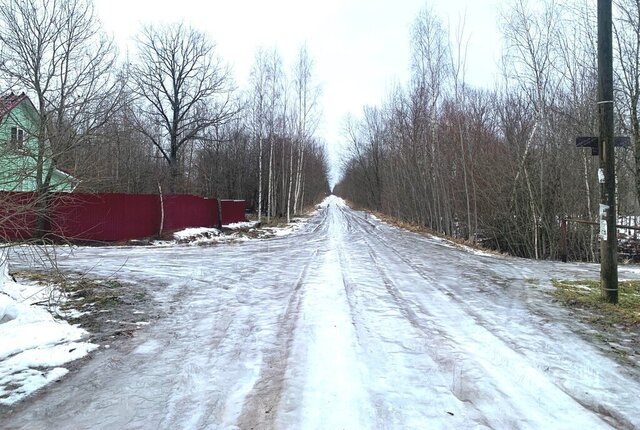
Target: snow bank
[[240, 232], [201, 236], [192, 233], [199, 233], [241, 225], [32, 339], [451, 244]]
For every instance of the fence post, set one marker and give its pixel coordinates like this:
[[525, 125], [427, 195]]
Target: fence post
[[563, 241], [161, 210]]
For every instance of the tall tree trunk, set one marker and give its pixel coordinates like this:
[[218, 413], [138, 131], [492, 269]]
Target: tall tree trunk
[[289, 191], [297, 200], [260, 178], [466, 181], [270, 186]]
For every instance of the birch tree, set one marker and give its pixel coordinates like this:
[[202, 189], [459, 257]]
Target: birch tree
[[306, 117], [531, 32], [275, 106], [257, 109]]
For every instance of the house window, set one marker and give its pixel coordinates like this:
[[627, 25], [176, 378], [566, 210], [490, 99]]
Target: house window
[[17, 137]]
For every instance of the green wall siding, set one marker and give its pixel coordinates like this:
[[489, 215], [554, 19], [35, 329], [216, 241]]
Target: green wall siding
[[18, 165]]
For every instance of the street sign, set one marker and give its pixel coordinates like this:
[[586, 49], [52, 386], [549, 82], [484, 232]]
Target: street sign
[[592, 142]]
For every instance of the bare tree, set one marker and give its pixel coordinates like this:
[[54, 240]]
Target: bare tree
[[458, 69], [627, 47], [531, 33], [430, 67], [276, 105], [306, 119], [184, 88], [57, 52], [443, 154], [257, 108], [119, 158]]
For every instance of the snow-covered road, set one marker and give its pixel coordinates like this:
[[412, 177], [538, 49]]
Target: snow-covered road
[[347, 324]]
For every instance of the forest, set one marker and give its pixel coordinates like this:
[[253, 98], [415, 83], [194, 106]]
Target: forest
[[500, 166], [495, 165], [165, 117]]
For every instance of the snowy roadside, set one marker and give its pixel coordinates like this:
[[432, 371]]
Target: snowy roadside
[[37, 341], [233, 233], [443, 240]]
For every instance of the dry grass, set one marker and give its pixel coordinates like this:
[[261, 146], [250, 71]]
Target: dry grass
[[108, 308], [585, 294]]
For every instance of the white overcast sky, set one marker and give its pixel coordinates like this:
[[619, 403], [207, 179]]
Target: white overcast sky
[[360, 47]]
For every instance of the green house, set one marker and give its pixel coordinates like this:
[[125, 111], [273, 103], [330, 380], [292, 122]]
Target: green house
[[19, 146]]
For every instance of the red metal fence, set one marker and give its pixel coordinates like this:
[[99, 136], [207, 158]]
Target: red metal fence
[[232, 211], [104, 217], [112, 217], [17, 215], [182, 211]]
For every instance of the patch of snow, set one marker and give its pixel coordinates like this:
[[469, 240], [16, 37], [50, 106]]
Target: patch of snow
[[162, 243], [474, 251], [38, 357], [205, 236], [582, 287], [296, 225], [199, 241], [200, 237], [241, 225], [32, 339], [451, 244], [28, 382], [69, 313], [191, 233]]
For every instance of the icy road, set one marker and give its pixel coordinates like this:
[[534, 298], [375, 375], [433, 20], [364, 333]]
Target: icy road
[[347, 324]]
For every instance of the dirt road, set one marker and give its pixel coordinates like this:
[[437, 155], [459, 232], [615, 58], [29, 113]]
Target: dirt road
[[349, 323]]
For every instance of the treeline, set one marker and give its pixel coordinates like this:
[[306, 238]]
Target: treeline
[[501, 166], [168, 117]]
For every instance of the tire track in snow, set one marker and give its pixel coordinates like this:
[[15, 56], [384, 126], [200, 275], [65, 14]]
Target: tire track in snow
[[429, 328], [588, 403], [326, 388], [434, 405], [261, 404], [406, 308]]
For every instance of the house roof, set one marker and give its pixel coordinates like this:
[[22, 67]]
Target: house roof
[[10, 101]]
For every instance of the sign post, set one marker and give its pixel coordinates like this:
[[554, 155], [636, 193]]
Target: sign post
[[608, 237]]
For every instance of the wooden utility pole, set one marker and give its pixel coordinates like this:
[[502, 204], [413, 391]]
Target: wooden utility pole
[[606, 172]]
